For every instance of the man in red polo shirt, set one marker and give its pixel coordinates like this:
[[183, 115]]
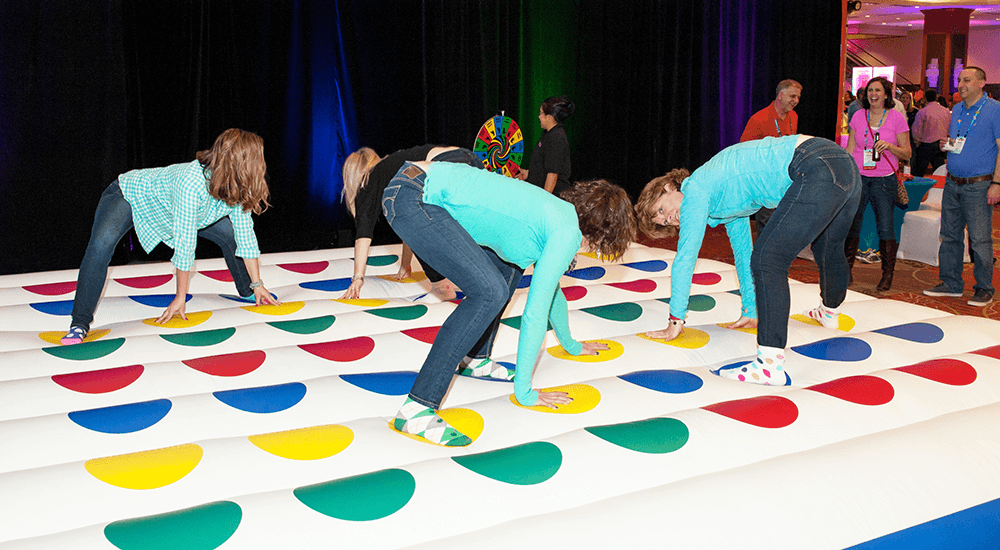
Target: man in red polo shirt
[[776, 120]]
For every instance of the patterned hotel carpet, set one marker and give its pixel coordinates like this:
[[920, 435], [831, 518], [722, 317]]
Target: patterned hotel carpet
[[910, 279]]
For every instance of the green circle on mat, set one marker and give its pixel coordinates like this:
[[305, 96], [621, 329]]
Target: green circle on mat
[[616, 312], [365, 497], [202, 338], [86, 351], [654, 435], [526, 464], [701, 302], [305, 326], [381, 261], [403, 313], [200, 528]]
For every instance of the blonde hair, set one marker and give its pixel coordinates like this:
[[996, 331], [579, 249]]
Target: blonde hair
[[671, 181], [235, 168], [357, 166]]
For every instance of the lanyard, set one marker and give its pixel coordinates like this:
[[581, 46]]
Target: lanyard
[[958, 129], [869, 122], [776, 128]]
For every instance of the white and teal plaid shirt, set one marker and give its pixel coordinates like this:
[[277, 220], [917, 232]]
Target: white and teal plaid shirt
[[171, 204]]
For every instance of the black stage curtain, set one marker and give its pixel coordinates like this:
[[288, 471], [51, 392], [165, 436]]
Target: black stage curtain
[[89, 90]]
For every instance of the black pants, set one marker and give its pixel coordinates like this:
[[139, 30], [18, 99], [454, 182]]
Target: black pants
[[927, 153]]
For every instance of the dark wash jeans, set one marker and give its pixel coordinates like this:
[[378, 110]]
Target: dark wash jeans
[[112, 221], [966, 206], [880, 191], [487, 281], [817, 209]]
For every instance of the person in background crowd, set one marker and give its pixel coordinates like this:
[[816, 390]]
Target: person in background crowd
[[930, 126]]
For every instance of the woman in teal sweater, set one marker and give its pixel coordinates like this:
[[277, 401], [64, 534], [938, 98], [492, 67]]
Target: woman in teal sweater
[[482, 230]]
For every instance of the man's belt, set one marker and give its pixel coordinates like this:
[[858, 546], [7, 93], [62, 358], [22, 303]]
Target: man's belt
[[965, 181]]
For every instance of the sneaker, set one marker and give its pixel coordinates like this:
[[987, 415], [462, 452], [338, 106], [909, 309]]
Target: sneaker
[[982, 298], [74, 336], [942, 290]]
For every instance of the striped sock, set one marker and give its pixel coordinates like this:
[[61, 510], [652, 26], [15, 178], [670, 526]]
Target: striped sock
[[421, 421]]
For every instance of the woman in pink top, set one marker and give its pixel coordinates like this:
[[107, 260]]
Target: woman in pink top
[[879, 138]]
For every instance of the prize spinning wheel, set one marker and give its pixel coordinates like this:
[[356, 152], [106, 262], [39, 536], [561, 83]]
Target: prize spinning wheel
[[500, 145]]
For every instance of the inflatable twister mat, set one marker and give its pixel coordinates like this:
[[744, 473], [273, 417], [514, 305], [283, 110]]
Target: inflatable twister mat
[[266, 427]]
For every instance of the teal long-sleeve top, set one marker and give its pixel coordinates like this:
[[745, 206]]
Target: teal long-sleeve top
[[525, 226], [726, 190]]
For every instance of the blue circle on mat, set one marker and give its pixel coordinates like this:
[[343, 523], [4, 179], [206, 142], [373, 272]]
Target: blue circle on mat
[[251, 299], [923, 333], [157, 300], [524, 282], [266, 399], [836, 349], [665, 381], [649, 266], [587, 273], [122, 419], [329, 285], [383, 383], [62, 307]]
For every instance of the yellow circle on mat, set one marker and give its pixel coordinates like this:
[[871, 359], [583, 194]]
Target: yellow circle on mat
[[846, 322], [748, 330], [594, 256], [467, 421], [691, 338], [364, 302], [193, 319], [614, 351], [54, 336], [413, 278], [310, 443], [584, 397], [284, 309], [146, 469]]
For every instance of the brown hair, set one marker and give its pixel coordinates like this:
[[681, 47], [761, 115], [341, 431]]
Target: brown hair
[[671, 181], [605, 215], [357, 166], [886, 87], [235, 168]]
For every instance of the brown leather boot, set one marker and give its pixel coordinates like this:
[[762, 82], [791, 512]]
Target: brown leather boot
[[887, 250], [850, 253]]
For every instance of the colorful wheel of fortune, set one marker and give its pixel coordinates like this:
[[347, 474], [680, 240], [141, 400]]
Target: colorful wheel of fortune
[[500, 145]]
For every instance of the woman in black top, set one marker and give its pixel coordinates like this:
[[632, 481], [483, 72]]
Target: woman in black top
[[550, 165], [365, 179]]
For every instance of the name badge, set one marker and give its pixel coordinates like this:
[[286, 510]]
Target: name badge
[[959, 144], [868, 163]]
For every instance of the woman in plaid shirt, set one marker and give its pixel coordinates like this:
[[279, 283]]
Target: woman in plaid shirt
[[212, 197]]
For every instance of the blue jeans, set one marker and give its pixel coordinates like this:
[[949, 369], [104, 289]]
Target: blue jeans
[[881, 193], [487, 281], [961, 206], [817, 209], [112, 221]]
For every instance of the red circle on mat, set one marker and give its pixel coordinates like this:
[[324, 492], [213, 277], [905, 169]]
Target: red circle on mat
[[642, 285], [52, 289], [342, 351], [308, 268], [573, 293], [946, 371], [151, 281], [229, 364], [992, 351], [219, 275], [863, 390], [99, 381], [767, 411], [425, 334], [706, 279]]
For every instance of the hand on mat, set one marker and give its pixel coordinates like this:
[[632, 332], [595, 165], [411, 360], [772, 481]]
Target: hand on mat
[[176, 307], [743, 322], [404, 273], [264, 297], [591, 348], [354, 290], [668, 334], [552, 398]]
